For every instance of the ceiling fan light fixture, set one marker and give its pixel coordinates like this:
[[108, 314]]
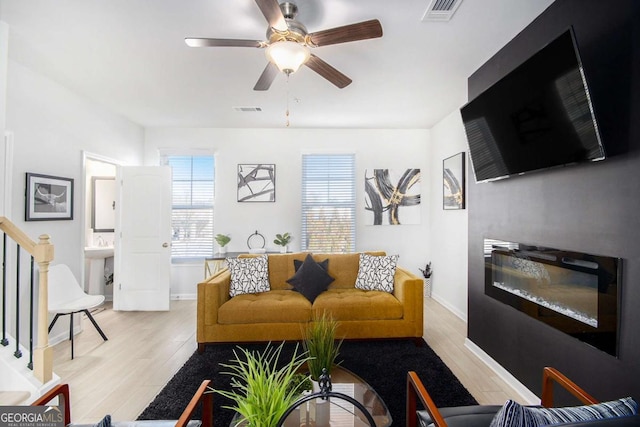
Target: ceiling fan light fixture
[[287, 55]]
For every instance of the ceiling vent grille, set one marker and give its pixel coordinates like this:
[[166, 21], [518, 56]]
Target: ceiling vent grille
[[441, 10], [247, 109]]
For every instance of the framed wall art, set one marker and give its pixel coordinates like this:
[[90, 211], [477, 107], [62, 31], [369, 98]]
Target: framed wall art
[[256, 182], [392, 196], [453, 180], [48, 198]]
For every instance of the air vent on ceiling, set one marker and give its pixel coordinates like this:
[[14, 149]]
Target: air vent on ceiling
[[246, 109], [441, 10]]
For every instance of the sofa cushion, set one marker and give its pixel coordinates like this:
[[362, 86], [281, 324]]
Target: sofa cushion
[[310, 279], [514, 414], [248, 275], [354, 304], [375, 273], [277, 306]]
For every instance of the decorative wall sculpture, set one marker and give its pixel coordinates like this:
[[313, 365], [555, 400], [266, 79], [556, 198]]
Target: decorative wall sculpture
[[392, 197]]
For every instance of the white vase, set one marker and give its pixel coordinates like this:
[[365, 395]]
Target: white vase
[[222, 250], [322, 408], [283, 249]]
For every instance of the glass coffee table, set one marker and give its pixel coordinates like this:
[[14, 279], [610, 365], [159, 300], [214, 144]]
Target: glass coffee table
[[338, 412]]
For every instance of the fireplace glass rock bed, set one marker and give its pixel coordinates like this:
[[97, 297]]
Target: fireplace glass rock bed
[[574, 292]]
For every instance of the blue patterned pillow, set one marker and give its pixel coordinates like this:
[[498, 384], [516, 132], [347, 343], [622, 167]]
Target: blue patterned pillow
[[375, 273], [249, 275], [512, 414], [105, 422]]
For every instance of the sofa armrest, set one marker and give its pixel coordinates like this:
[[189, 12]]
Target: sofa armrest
[[204, 398], [61, 391], [407, 288], [211, 295], [551, 375]]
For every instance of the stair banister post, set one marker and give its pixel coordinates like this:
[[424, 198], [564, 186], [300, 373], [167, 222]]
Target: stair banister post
[[43, 354]]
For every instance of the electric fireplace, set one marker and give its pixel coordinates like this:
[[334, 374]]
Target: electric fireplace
[[574, 292]]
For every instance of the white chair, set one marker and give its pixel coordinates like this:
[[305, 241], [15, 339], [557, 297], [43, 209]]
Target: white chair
[[67, 297]]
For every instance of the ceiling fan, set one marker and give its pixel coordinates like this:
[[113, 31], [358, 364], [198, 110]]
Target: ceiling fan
[[288, 44]]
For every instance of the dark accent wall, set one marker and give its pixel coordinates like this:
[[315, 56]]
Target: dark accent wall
[[592, 208]]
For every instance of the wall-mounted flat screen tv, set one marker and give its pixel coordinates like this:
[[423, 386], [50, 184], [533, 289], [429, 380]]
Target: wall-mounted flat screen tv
[[536, 117]]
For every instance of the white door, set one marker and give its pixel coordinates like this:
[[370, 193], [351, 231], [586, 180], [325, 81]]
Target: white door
[[143, 241]]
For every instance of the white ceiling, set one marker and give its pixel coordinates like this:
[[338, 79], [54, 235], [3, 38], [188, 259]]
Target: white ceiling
[[130, 56]]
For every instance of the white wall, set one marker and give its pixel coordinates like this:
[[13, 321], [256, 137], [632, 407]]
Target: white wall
[[51, 128], [392, 149], [4, 60], [449, 229]]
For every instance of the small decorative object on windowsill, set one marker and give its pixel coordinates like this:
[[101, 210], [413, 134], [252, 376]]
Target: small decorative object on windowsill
[[222, 240], [426, 272], [283, 240]]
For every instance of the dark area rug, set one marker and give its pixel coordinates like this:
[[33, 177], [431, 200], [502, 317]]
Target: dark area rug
[[383, 364]]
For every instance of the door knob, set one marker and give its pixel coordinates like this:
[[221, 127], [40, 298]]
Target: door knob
[[165, 245]]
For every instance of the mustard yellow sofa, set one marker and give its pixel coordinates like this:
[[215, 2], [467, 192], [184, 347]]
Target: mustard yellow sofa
[[282, 313]]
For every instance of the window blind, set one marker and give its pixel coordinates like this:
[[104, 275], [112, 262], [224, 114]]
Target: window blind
[[192, 206], [328, 203]]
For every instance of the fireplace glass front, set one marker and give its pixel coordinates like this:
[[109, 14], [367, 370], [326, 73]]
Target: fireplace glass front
[[574, 292]]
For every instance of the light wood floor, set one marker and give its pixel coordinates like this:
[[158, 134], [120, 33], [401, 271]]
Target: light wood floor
[[145, 349]]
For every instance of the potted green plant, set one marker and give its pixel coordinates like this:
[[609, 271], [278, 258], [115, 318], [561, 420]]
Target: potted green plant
[[261, 389], [426, 272], [323, 349], [283, 240], [321, 344], [222, 240]]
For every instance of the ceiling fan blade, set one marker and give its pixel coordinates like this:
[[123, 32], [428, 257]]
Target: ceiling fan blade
[[202, 42], [328, 72], [348, 33], [266, 78], [271, 10]]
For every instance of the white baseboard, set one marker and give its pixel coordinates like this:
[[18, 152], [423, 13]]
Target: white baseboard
[[449, 307], [177, 297], [528, 397]]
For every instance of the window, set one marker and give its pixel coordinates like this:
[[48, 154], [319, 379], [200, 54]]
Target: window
[[328, 203], [192, 206]]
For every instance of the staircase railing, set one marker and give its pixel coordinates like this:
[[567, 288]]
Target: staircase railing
[[41, 359]]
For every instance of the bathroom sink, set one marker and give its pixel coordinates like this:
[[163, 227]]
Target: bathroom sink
[[98, 251]]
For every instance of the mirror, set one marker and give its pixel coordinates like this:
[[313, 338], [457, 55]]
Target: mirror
[[103, 217]]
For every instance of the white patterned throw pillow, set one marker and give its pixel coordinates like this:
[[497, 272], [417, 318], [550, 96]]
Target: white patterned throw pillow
[[375, 273], [249, 275]]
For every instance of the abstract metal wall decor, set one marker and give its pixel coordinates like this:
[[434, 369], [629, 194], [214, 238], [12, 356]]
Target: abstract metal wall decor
[[392, 197], [453, 179], [48, 198], [256, 183]]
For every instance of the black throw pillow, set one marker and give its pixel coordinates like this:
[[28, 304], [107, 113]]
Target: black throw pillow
[[310, 279], [324, 264]]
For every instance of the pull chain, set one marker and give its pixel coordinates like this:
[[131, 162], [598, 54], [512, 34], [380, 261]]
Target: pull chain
[[287, 112]]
